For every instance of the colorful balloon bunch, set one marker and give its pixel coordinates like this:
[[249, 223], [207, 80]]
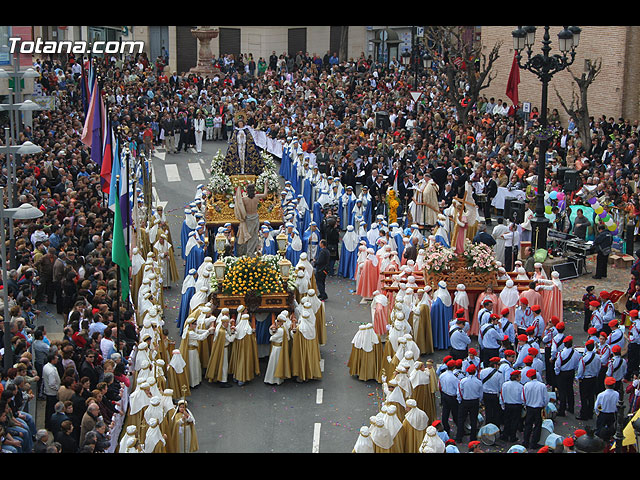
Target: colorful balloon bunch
[[604, 215]]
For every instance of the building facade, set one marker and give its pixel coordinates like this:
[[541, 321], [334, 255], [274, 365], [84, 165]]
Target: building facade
[[615, 91]]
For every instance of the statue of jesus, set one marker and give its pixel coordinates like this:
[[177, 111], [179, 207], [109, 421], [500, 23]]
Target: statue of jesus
[[246, 211]]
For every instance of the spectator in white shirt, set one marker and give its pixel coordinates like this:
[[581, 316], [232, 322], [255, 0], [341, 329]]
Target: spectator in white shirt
[[50, 387]]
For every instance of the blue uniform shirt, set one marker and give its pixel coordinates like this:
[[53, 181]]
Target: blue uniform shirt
[[607, 401], [494, 383], [535, 394], [511, 393], [469, 388], [449, 383], [589, 365], [566, 360]]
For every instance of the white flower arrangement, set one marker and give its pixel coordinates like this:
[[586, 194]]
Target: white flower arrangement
[[268, 175], [219, 182]]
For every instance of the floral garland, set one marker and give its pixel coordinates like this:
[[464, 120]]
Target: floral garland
[[220, 182], [438, 257], [269, 175], [479, 257]]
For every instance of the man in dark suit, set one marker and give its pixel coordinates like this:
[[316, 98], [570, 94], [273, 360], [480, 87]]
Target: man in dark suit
[[405, 191], [439, 175], [483, 237], [185, 124], [602, 243], [491, 190], [322, 268], [411, 252]]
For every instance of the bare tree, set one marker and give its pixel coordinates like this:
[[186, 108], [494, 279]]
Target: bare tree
[[579, 109], [468, 70]]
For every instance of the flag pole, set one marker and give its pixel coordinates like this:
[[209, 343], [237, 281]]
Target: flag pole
[[118, 287], [128, 207]]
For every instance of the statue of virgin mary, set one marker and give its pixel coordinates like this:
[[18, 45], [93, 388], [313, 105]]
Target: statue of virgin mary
[[243, 156]]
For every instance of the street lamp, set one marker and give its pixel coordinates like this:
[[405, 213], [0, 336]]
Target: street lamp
[[544, 66], [26, 211]]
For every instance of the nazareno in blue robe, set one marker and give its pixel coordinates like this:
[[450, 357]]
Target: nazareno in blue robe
[[441, 315], [349, 254]]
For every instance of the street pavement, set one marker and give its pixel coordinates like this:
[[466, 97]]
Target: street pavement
[[319, 416]]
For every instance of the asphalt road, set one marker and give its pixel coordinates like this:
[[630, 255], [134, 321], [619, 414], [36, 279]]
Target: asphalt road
[[321, 416]]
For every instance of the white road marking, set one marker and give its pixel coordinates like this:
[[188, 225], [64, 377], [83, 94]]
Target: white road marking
[[319, 393], [196, 171], [322, 364], [160, 155], [316, 438], [172, 172]]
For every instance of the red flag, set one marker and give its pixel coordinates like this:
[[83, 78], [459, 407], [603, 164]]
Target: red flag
[[514, 80]]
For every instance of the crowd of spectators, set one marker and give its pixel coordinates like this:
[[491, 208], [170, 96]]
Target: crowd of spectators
[[330, 104]]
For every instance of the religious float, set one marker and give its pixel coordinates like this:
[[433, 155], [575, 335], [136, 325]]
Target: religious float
[[475, 267], [262, 284], [220, 191]]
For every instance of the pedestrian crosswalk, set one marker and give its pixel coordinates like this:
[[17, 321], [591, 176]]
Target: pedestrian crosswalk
[[177, 172]]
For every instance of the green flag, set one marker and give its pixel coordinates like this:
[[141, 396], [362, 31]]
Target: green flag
[[119, 254]]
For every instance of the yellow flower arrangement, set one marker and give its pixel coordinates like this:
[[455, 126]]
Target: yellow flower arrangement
[[252, 274], [392, 204]]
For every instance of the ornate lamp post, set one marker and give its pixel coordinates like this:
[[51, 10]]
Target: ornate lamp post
[[544, 66]]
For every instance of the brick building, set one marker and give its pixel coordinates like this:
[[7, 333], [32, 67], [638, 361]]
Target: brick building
[[616, 90]]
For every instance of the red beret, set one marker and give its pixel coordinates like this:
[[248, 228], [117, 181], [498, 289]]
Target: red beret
[[505, 338], [461, 320], [568, 442], [524, 300], [604, 294], [609, 381], [473, 351], [589, 342], [592, 330], [603, 334], [633, 313], [544, 449], [568, 338], [487, 300], [471, 368], [528, 359], [460, 312], [536, 308], [522, 338], [473, 444], [505, 311], [613, 323], [509, 353], [616, 349], [515, 372], [579, 432], [554, 319], [494, 360], [594, 303], [435, 423], [560, 326], [451, 441], [533, 351], [531, 373], [459, 362], [447, 358], [451, 363], [530, 329]]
